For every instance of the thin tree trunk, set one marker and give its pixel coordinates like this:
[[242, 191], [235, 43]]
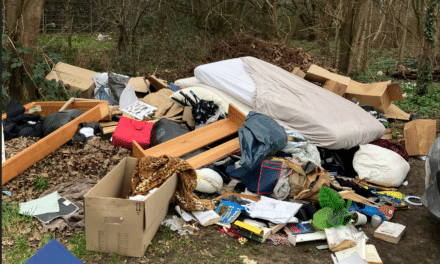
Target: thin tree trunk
[[382, 22], [362, 44], [68, 23], [275, 19], [294, 22], [403, 40], [346, 36], [355, 43], [23, 23], [368, 40]]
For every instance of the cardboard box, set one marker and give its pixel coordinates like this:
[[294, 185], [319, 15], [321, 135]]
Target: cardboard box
[[140, 84], [298, 72], [380, 95], [78, 78], [337, 88], [321, 75], [115, 224], [419, 136]]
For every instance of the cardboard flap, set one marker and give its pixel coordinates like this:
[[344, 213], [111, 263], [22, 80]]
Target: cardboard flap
[[366, 89], [397, 113], [394, 92]]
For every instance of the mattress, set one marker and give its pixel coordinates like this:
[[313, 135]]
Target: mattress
[[228, 76], [324, 118]]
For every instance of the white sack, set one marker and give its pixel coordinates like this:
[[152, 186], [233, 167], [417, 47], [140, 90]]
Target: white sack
[[380, 166]]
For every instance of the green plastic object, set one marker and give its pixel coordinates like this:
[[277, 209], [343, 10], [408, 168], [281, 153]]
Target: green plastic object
[[334, 210]]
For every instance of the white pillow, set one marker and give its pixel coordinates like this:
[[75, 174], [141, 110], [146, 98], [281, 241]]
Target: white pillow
[[380, 165], [188, 82]]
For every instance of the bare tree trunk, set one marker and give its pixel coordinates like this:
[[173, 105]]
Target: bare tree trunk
[[382, 22], [23, 23], [275, 19], [336, 52], [362, 44], [368, 40], [355, 43], [294, 23], [324, 21], [403, 40], [68, 23], [346, 35]]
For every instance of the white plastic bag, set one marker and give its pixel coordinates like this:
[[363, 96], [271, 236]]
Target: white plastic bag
[[380, 166]]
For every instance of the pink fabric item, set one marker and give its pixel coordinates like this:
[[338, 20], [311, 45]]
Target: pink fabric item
[[128, 130]]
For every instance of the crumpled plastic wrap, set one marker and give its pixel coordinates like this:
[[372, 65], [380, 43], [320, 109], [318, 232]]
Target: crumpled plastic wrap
[[175, 225]]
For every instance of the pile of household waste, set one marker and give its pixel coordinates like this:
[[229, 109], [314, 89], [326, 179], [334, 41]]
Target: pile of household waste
[[314, 160]]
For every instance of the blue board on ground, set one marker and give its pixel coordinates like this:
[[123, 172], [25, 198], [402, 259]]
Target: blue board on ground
[[53, 253]]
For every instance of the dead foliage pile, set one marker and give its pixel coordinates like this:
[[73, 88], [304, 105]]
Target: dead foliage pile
[[93, 159], [241, 45]]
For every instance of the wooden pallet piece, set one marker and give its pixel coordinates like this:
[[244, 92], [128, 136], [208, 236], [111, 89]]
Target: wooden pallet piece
[[358, 198], [200, 138], [95, 111]]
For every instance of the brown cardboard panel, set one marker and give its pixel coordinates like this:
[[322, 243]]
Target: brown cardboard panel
[[28, 157], [419, 136], [115, 224], [78, 78], [297, 71], [318, 74], [140, 84], [157, 83], [378, 95], [397, 113], [335, 87]]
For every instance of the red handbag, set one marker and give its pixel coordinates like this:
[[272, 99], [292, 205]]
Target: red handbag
[[128, 130]]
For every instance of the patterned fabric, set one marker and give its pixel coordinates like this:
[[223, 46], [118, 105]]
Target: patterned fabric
[[151, 172], [392, 145]]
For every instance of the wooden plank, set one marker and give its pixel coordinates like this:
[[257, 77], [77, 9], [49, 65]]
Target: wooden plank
[[52, 107], [108, 124], [31, 155], [189, 142], [236, 115], [215, 154], [108, 130]]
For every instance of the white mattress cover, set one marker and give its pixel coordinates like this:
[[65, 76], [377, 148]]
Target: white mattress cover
[[228, 76]]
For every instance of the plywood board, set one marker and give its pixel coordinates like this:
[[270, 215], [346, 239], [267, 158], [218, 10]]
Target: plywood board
[[95, 111]]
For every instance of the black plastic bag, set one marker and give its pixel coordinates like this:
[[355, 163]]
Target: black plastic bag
[[58, 119], [164, 130]]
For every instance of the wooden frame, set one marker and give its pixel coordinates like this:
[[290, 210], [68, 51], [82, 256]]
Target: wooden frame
[[200, 138], [95, 111]]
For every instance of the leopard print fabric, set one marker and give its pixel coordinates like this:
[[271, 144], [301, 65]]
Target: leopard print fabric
[[151, 172]]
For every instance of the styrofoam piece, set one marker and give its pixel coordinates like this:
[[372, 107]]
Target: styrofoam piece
[[43, 205], [306, 237], [129, 104]]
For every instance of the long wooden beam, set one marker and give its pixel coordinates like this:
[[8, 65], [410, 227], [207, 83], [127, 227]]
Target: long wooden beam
[[31, 155]]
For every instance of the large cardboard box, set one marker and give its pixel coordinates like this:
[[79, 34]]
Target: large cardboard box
[[419, 136], [115, 224], [380, 95], [78, 78], [335, 87], [321, 75]]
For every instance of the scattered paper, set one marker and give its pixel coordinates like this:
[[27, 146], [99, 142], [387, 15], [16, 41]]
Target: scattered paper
[[275, 211], [206, 218]]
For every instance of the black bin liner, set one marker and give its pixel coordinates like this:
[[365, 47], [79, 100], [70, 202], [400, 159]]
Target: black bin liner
[[56, 120]]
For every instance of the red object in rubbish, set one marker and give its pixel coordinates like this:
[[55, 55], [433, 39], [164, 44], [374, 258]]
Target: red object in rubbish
[[128, 130], [230, 232]]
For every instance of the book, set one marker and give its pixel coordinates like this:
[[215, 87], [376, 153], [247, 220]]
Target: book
[[299, 228], [390, 232], [372, 257], [206, 218], [229, 211]]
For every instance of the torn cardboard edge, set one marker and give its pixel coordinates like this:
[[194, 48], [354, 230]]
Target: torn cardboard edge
[[321, 75], [157, 83], [395, 112], [94, 112]]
